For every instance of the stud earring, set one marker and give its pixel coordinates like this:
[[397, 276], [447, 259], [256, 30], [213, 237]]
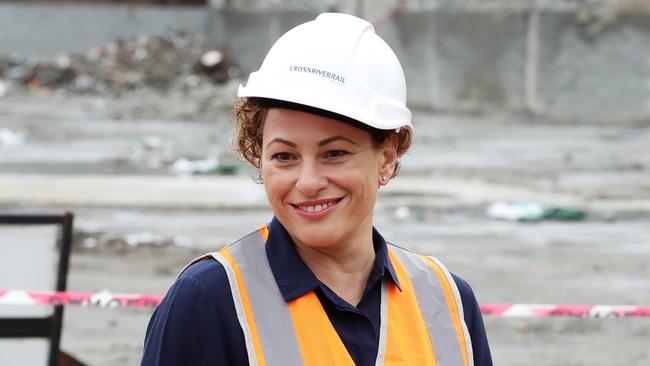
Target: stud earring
[[383, 178]]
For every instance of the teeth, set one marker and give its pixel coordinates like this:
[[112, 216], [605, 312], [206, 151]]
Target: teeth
[[317, 208]]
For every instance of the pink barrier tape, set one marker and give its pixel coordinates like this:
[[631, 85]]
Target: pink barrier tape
[[577, 311], [107, 299], [97, 299]]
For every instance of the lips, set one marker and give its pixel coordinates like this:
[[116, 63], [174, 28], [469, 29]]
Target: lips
[[316, 207]]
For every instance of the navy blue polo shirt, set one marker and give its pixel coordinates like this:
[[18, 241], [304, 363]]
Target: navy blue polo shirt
[[196, 323]]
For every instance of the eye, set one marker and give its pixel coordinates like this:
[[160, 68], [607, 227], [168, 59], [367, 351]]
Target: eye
[[283, 157], [335, 154]]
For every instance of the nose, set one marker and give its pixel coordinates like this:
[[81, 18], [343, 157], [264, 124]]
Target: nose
[[311, 180]]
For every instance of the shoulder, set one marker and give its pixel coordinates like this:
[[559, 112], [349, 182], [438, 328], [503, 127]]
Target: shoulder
[[206, 277], [206, 272], [474, 323], [196, 321], [198, 288]]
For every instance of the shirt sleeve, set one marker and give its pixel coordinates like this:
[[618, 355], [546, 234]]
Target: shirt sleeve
[[474, 321], [196, 323]]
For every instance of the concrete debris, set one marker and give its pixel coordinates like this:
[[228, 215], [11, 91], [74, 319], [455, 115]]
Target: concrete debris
[[146, 238], [520, 211], [410, 214], [183, 242], [152, 152], [223, 165], [9, 138], [402, 212], [100, 240], [185, 166], [151, 142], [90, 243], [103, 298], [177, 60], [211, 59], [531, 211]]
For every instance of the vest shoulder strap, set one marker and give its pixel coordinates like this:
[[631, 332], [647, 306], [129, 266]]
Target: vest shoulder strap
[[440, 305]]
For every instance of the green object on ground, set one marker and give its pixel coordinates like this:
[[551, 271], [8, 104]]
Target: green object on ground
[[229, 169], [563, 214]]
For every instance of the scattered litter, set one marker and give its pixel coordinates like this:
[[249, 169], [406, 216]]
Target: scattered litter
[[103, 298], [93, 240], [185, 166], [531, 211], [183, 242], [519, 211], [216, 66], [152, 142], [10, 138], [227, 169], [90, 243], [563, 214], [152, 151], [406, 213], [211, 58], [146, 238], [210, 165], [176, 60], [402, 212]]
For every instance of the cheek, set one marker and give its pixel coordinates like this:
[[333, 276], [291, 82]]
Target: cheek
[[361, 178], [277, 183]]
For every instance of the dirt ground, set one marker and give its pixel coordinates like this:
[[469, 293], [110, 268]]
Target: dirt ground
[[458, 166]]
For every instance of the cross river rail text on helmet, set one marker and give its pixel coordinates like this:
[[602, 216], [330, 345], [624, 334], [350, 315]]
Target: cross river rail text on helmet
[[323, 73]]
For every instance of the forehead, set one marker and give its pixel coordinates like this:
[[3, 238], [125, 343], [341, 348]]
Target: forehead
[[289, 123]]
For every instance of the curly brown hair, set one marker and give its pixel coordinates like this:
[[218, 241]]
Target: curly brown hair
[[250, 114]]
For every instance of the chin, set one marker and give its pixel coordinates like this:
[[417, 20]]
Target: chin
[[316, 238], [314, 235]]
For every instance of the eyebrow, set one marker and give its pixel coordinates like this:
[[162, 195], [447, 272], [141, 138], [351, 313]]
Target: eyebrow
[[283, 141], [320, 143], [335, 138]]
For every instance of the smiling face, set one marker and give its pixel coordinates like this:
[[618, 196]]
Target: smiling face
[[321, 177]]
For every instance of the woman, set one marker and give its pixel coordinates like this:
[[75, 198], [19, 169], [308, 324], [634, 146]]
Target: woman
[[325, 122]]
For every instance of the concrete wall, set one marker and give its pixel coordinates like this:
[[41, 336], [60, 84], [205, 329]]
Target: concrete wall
[[249, 35], [547, 62], [464, 61], [594, 76], [47, 29]]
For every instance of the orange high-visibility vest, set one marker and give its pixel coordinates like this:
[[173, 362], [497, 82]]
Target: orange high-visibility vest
[[422, 324]]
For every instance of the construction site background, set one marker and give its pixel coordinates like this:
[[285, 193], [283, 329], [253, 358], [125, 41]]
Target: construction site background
[[528, 176], [571, 61]]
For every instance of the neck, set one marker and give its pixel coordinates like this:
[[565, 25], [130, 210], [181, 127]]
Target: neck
[[344, 267]]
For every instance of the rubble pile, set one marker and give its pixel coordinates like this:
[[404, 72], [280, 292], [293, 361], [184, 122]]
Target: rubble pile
[[126, 241], [177, 60]]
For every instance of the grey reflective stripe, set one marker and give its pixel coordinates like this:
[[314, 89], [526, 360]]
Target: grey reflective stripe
[[383, 324], [459, 303], [239, 308], [431, 299], [271, 313]]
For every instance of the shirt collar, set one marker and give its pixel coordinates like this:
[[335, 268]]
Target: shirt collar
[[292, 275]]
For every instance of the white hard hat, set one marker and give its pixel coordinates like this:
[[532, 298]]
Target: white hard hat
[[338, 64]]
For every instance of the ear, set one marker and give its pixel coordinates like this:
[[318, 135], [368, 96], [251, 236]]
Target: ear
[[387, 159]]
